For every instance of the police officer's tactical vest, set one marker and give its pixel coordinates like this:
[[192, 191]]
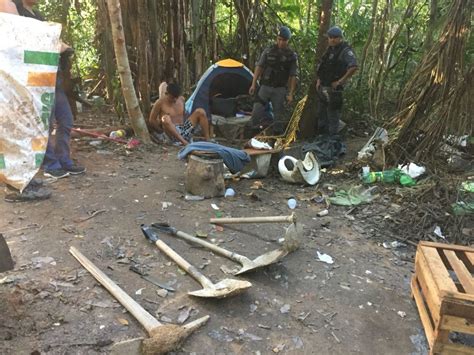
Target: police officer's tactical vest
[[277, 66], [332, 66]]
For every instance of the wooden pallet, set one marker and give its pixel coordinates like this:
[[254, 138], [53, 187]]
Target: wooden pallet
[[443, 289]]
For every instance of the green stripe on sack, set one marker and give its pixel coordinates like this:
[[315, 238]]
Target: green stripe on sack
[[39, 157], [2, 162], [44, 58]]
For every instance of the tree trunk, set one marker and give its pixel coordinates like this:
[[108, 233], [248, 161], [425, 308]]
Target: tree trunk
[[308, 122], [128, 90]]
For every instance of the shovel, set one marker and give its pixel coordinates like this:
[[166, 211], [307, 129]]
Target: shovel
[[222, 289], [247, 264], [292, 234], [163, 338]]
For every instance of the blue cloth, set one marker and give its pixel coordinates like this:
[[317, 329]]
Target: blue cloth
[[234, 159], [57, 154]]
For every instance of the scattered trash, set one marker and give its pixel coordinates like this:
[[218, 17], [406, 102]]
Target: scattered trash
[[356, 195], [184, 315], [244, 335], [253, 308], [437, 231], [9, 279], [402, 314], [298, 342], [254, 143], [201, 234], [118, 133], [165, 205], [215, 334], [297, 171], [292, 203], [393, 245], [325, 258], [257, 185], [323, 213], [214, 206], [102, 304], [162, 293], [388, 176], [122, 321], [368, 150], [279, 348], [39, 261], [189, 197], [139, 291], [412, 170], [285, 308], [229, 192]]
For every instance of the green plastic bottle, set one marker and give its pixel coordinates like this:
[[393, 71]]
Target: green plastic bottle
[[406, 180], [386, 176]]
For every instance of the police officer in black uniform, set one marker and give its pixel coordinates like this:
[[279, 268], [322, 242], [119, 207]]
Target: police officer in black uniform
[[276, 70], [337, 65]]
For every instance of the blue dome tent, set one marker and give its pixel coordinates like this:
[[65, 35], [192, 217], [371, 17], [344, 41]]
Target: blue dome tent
[[223, 80]]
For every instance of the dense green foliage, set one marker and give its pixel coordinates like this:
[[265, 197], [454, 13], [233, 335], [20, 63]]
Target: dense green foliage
[[401, 36]]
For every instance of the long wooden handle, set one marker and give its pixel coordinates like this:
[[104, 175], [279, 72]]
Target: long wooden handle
[[210, 246], [142, 316], [263, 219], [191, 270]]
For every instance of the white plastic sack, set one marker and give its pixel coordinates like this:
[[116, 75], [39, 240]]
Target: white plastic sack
[[29, 55]]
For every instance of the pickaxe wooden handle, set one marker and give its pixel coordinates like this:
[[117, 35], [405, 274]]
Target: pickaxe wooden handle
[[146, 319], [264, 219]]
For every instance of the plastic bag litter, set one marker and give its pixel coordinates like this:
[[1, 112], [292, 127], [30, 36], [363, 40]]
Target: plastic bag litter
[[356, 195], [29, 56]]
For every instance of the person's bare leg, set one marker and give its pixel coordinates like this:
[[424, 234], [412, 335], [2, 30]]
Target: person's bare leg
[[199, 117], [170, 129]]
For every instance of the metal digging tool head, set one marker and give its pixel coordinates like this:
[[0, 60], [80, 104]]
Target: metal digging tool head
[[224, 288], [292, 237], [247, 264], [263, 260]]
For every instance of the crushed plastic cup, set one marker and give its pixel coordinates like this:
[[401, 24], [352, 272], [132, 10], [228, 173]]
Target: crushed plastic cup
[[292, 203], [229, 192]]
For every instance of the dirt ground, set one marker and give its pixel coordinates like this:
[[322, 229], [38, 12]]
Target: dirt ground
[[50, 305]]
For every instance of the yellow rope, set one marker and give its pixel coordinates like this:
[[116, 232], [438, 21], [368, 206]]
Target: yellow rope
[[284, 140]]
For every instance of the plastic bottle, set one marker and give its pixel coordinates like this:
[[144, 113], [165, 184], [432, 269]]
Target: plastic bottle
[[292, 203], [387, 176], [229, 192], [117, 134], [406, 180]]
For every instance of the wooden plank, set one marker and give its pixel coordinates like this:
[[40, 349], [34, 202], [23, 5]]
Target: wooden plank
[[456, 349], [439, 271], [425, 319], [461, 271], [470, 256], [457, 324], [428, 287], [457, 296], [456, 307], [445, 246], [253, 151]]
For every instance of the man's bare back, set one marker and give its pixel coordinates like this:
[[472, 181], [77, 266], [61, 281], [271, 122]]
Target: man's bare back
[[167, 115]]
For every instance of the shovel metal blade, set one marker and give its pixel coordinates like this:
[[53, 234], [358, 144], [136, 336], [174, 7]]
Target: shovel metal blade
[[263, 260], [222, 289]]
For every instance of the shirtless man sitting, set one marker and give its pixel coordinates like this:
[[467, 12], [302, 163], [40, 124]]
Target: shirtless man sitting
[[168, 116]]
